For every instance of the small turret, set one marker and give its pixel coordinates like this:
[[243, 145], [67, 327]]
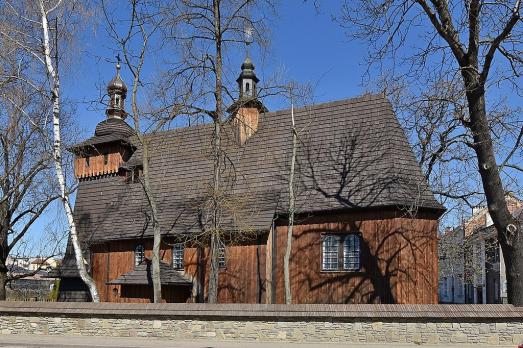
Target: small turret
[[247, 80], [117, 91], [247, 109]]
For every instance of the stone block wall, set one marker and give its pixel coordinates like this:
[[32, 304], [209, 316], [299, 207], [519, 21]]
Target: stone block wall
[[433, 324]]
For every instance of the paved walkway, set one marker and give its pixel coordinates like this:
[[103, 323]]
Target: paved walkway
[[35, 341]]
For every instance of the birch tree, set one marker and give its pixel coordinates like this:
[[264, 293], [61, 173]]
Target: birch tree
[[33, 35], [450, 57], [46, 9]]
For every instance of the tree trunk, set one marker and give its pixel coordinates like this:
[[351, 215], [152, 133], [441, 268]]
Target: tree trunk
[[3, 284], [513, 257], [212, 296], [508, 229], [216, 208], [157, 237], [57, 156], [286, 261]]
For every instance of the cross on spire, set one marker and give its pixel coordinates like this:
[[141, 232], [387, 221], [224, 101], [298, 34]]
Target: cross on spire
[[118, 60]]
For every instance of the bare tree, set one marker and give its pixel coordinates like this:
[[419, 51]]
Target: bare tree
[[207, 33], [143, 24], [468, 49], [25, 183], [292, 207], [32, 35]]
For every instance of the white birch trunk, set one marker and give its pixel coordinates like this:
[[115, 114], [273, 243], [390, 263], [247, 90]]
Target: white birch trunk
[[57, 156], [286, 262]]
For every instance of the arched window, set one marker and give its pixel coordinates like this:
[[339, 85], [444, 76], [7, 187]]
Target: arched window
[[351, 252], [330, 246], [139, 254], [178, 249], [248, 88]]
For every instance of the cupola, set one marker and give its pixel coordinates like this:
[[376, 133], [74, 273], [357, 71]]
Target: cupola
[[117, 91], [247, 80], [245, 112]]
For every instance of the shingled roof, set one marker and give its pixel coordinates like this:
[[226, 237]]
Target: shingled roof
[[142, 275], [353, 154]]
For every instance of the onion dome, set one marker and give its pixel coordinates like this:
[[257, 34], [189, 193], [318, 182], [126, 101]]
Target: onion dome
[[117, 91], [247, 80]]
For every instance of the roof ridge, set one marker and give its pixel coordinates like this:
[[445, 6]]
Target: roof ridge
[[360, 98]]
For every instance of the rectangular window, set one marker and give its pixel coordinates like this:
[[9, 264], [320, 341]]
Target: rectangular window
[[330, 246], [221, 256], [139, 254], [178, 256], [351, 252]]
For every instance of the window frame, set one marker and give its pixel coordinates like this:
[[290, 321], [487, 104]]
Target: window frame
[[356, 237], [341, 255], [335, 238], [178, 262], [222, 261], [137, 253]]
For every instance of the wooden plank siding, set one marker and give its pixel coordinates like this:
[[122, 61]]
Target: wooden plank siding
[[398, 261], [116, 155], [241, 281], [398, 264]]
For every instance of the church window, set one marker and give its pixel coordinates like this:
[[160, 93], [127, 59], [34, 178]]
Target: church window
[[341, 252], [178, 249], [139, 254], [351, 252], [221, 256], [330, 249]]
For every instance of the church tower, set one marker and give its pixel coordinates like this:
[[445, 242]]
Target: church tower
[[245, 112], [110, 147]]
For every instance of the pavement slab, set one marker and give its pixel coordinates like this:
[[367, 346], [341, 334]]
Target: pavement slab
[[35, 341]]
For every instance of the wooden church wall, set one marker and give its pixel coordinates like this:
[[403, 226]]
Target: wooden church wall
[[96, 163], [241, 281], [398, 261]]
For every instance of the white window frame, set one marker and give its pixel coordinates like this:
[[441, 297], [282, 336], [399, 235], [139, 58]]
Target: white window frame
[[178, 252], [352, 258], [139, 254], [222, 263], [330, 249]]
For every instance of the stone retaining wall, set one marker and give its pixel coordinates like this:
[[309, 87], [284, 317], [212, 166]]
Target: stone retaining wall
[[420, 324]]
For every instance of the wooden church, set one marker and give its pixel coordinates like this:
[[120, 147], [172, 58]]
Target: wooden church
[[366, 220]]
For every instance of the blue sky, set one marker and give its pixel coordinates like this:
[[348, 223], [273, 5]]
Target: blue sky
[[306, 44]]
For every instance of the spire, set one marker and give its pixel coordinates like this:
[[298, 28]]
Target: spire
[[117, 91]]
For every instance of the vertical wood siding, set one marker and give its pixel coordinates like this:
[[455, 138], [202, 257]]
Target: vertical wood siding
[[398, 264], [116, 155]]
